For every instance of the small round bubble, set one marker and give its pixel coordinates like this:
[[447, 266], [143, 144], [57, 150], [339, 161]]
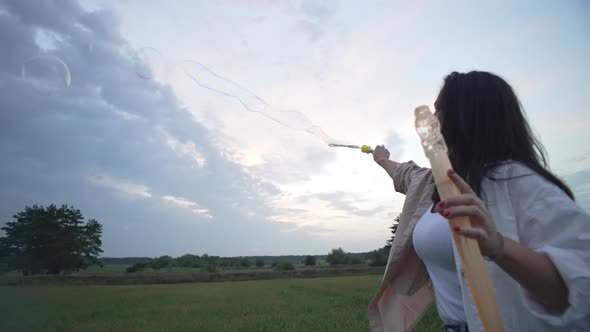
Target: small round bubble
[[46, 74], [147, 63]]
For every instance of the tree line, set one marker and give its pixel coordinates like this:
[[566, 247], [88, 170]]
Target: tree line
[[214, 263], [377, 257], [56, 240]]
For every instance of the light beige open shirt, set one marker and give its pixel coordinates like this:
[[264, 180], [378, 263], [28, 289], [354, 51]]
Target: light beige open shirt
[[525, 208]]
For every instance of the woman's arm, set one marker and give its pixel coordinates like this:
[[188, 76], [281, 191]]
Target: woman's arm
[[381, 157], [534, 271], [402, 174]]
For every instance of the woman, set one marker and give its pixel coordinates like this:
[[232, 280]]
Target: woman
[[534, 236]]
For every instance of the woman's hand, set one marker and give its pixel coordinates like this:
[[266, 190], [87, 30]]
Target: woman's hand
[[469, 205], [380, 154]]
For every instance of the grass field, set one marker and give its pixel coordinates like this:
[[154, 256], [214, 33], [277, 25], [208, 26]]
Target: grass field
[[319, 304]]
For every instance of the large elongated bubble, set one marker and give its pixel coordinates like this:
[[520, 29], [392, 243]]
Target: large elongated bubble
[[206, 78]]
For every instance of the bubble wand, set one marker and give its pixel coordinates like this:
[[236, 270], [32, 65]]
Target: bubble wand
[[364, 148], [428, 129]]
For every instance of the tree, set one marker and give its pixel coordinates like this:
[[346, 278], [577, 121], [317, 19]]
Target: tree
[[161, 262], [378, 257], [337, 257], [259, 263], [284, 266], [209, 263], [245, 262], [355, 260], [50, 240], [140, 266], [310, 261], [393, 231], [187, 260]]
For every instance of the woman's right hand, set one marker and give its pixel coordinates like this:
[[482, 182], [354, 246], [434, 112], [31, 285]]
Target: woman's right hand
[[380, 154]]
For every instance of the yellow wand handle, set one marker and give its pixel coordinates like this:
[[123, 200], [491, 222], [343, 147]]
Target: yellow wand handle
[[366, 149]]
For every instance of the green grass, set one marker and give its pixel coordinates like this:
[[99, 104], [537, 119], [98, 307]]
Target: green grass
[[430, 322], [318, 304]]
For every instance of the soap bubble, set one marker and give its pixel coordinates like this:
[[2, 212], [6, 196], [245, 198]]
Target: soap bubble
[[46, 74], [293, 119], [148, 63]]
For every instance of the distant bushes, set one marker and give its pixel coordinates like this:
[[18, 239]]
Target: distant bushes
[[205, 263], [137, 267], [339, 257], [245, 263], [124, 260], [354, 260], [284, 266], [161, 262], [310, 261], [379, 257]]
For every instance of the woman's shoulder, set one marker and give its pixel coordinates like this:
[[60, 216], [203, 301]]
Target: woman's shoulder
[[522, 180], [512, 170]]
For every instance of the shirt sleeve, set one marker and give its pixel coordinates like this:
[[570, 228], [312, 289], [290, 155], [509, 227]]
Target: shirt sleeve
[[404, 174], [550, 222]]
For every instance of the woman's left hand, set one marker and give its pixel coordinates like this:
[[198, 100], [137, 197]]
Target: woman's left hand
[[469, 205]]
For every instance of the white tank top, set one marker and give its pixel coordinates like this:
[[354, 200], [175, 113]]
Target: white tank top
[[433, 243]]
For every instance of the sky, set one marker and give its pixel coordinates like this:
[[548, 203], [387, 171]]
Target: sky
[[169, 167]]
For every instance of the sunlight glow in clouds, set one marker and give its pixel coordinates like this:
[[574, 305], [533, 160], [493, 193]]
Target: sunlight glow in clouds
[[187, 204], [185, 149]]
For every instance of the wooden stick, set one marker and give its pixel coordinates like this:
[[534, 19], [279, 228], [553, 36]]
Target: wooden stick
[[477, 276]]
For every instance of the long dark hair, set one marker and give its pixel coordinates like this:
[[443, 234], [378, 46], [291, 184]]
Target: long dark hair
[[483, 125]]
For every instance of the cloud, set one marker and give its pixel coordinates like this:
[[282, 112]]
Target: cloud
[[579, 183], [128, 189], [318, 9], [112, 135], [298, 164], [583, 189], [185, 203], [311, 29], [311, 17], [316, 17], [185, 149], [580, 158], [345, 202], [395, 144]]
